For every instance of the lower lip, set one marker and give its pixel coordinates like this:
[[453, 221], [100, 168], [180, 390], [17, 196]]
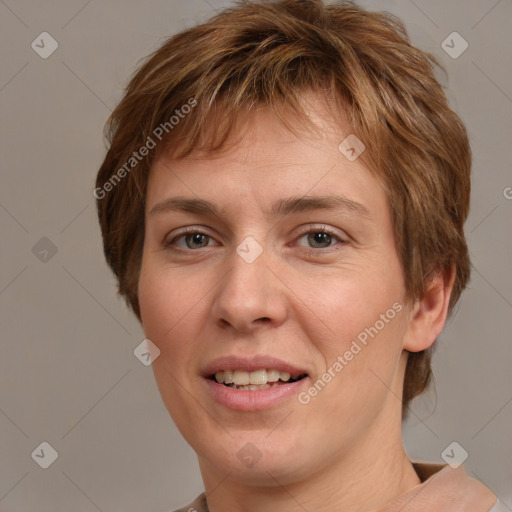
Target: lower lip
[[255, 400]]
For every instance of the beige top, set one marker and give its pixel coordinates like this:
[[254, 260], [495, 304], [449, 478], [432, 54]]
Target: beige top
[[442, 489]]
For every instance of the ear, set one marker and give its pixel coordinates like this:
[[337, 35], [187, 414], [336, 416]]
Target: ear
[[428, 315]]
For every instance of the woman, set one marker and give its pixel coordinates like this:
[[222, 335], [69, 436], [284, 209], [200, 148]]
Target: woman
[[283, 204]]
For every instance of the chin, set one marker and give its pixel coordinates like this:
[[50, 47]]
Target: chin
[[257, 457]]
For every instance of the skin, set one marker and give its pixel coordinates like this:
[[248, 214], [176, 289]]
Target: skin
[[301, 301]]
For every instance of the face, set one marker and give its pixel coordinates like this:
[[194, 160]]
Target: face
[[290, 266]]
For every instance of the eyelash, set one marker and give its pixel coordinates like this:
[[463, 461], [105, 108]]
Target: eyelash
[[311, 251]]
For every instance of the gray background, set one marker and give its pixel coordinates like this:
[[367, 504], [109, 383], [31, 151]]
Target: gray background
[[68, 373]]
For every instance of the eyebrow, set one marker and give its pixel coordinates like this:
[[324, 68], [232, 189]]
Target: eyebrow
[[282, 207]]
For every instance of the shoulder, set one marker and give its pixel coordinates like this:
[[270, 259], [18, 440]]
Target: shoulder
[[448, 488], [198, 505], [499, 507]]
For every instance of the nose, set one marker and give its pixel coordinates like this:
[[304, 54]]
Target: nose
[[250, 295]]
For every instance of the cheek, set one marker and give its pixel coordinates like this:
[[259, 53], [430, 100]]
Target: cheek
[[343, 307], [361, 320], [154, 300], [174, 311], [169, 322], [161, 311], [162, 307]]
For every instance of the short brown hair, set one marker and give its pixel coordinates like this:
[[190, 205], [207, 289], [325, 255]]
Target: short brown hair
[[267, 53]]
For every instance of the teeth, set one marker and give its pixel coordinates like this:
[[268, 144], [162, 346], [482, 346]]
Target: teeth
[[273, 375], [256, 378], [284, 376], [241, 378]]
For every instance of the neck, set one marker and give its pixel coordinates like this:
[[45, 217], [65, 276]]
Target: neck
[[361, 479]]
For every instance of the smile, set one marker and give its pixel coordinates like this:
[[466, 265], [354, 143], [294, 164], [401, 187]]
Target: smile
[[253, 383], [255, 380]]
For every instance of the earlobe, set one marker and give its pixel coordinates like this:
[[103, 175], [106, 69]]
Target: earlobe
[[428, 315]]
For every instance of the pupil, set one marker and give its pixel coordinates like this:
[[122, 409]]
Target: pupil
[[196, 239], [318, 238]]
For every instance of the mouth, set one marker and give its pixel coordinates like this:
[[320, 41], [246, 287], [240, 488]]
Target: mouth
[[256, 383], [255, 380]]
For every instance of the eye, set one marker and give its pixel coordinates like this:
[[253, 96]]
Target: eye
[[191, 238], [316, 238], [320, 238]]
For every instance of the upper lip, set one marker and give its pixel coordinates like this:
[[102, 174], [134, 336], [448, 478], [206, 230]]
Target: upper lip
[[250, 364]]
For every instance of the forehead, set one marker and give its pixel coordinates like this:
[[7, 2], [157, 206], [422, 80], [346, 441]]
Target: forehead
[[270, 163]]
